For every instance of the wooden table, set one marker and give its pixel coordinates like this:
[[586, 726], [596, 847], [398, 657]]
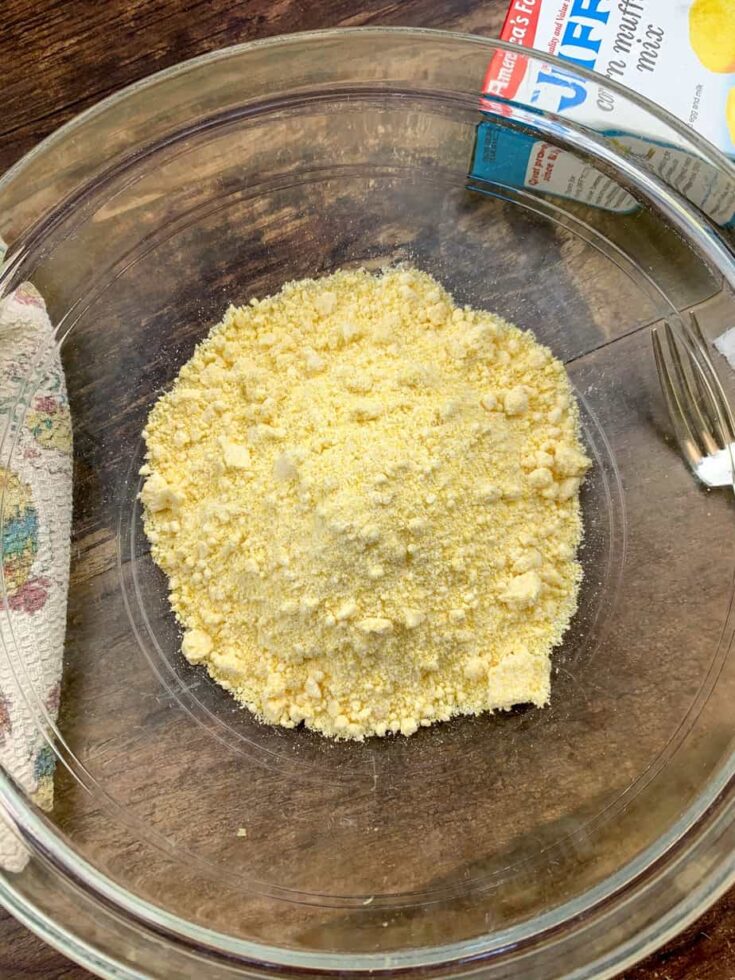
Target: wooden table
[[59, 57]]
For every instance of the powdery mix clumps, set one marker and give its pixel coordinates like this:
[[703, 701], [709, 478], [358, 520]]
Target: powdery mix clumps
[[365, 499]]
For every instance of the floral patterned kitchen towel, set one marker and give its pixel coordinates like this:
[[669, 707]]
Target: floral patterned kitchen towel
[[35, 521]]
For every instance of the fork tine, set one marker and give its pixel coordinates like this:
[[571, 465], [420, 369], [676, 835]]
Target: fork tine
[[712, 401], [709, 409], [687, 444], [700, 428], [696, 329]]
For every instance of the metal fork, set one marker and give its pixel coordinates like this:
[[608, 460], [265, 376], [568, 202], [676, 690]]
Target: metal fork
[[698, 408]]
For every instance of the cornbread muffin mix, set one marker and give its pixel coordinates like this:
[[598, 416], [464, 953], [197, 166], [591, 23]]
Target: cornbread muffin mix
[[679, 54], [365, 498]]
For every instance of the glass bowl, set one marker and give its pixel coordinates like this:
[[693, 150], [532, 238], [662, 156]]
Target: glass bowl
[[564, 841]]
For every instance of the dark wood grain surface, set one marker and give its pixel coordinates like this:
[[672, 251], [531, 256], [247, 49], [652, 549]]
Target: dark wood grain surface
[[59, 57]]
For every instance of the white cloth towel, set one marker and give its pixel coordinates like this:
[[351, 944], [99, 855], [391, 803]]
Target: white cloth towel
[[35, 521]]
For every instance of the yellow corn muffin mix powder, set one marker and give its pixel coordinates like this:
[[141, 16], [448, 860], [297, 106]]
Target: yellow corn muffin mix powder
[[365, 499]]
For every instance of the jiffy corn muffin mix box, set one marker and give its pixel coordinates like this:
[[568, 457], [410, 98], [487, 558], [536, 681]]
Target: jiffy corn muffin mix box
[[677, 53]]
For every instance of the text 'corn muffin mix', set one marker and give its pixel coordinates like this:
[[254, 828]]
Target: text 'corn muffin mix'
[[366, 501]]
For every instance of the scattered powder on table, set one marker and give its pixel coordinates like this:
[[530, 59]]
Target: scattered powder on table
[[365, 499]]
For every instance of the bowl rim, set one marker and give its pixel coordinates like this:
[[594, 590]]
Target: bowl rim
[[709, 150], [715, 805]]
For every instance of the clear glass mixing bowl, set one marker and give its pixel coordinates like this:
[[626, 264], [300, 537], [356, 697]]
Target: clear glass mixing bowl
[[535, 843]]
